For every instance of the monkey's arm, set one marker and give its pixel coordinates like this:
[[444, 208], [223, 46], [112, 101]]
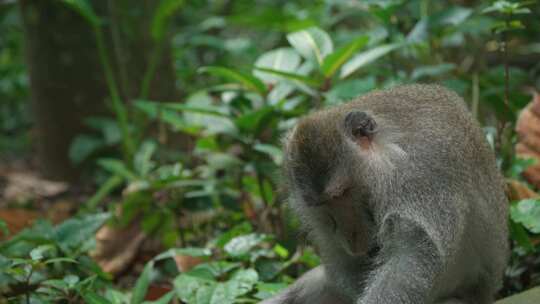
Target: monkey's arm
[[311, 288], [410, 263]]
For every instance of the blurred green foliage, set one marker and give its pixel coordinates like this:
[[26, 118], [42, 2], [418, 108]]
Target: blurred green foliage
[[248, 70]]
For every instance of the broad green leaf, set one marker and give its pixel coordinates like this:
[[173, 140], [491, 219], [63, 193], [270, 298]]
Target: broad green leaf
[[419, 32], [107, 126], [71, 280], [74, 231], [240, 284], [527, 213], [60, 260], [141, 286], [218, 268], [282, 59], [274, 152], [248, 81], [192, 288], [91, 297], [117, 167], [288, 75], [164, 11], [243, 281], [253, 122], [191, 251], [279, 92], [520, 235], [242, 245], [143, 158], [367, 57], [335, 60], [197, 113], [455, 15], [38, 253], [267, 290], [312, 43], [348, 89], [103, 191], [83, 146], [4, 228], [432, 70], [84, 8]]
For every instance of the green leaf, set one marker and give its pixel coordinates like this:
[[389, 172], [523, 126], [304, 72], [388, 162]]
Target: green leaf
[[117, 167], [335, 60], [253, 122], [103, 191], [141, 286], [108, 127], [74, 231], [90, 297], [432, 70], [83, 146], [192, 288], [248, 81], [242, 245], [273, 151], [60, 260], [38, 253], [84, 8], [367, 57], [240, 284], [71, 280], [282, 59], [348, 89], [313, 43], [527, 213], [217, 268], [164, 11], [267, 290], [289, 76], [520, 235], [143, 158], [4, 228]]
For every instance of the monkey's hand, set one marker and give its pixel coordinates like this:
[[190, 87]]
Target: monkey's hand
[[311, 288], [409, 266]]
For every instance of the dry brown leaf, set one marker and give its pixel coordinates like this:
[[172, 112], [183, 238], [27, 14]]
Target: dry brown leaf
[[185, 262], [28, 185], [17, 219], [517, 190], [116, 248], [528, 129]]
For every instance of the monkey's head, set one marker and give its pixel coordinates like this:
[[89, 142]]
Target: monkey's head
[[327, 170]]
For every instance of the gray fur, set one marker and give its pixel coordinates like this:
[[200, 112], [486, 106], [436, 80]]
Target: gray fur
[[419, 216]]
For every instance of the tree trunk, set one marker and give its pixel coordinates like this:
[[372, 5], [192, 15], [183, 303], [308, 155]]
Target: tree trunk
[[66, 80]]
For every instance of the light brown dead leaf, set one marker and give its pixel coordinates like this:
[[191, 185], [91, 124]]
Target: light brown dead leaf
[[116, 247], [528, 129]]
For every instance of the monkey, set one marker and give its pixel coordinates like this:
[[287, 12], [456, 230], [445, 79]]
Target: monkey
[[401, 195]]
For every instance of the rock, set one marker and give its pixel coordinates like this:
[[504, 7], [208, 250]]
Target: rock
[[531, 296]]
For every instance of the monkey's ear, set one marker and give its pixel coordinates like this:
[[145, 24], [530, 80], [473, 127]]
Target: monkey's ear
[[360, 125]]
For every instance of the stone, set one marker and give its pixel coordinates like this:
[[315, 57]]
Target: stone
[[531, 296]]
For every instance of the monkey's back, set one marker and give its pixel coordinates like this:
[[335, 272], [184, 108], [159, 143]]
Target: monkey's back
[[448, 150]]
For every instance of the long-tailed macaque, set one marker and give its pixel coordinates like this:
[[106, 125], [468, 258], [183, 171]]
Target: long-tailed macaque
[[400, 193]]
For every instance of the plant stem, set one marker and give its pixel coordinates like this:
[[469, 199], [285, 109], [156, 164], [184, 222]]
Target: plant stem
[[118, 106]]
